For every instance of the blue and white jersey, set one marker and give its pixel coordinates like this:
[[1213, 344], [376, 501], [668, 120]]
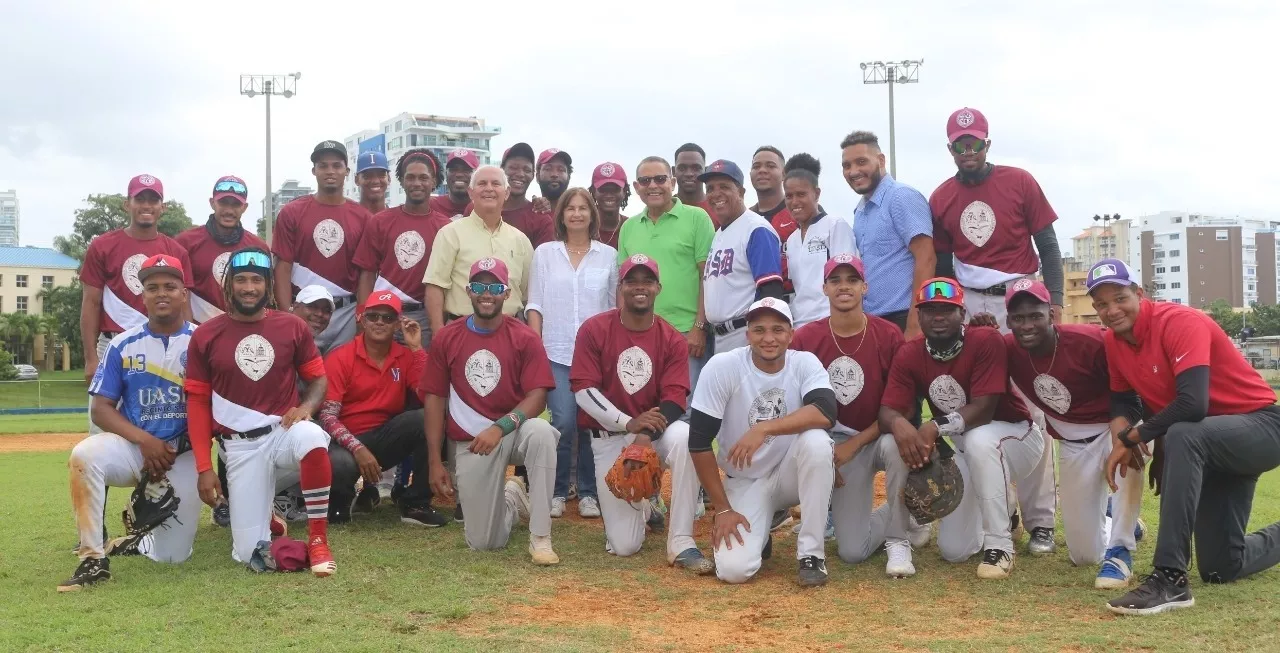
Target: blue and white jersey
[[744, 255], [143, 373]]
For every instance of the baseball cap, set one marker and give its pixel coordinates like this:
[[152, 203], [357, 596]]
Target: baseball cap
[[329, 146], [724, 168], [1109, 270], [160, 263], [548, 155], [491, 265], [371, 161], [940, 290], [609, 173], [844, 259], [231, 187], [384, 298], [249, 259], [519, 149], [769, 304], [1031, 287], [312, 294], [145, 182], [466, 156], [638, 261], [289, 554], [966, 122]]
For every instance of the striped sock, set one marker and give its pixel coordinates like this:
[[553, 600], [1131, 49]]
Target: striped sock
[[315, 478]]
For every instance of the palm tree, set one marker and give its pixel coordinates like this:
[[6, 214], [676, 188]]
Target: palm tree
[[20, 329], [48, 327]]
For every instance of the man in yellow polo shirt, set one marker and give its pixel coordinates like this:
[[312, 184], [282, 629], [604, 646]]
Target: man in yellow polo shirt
[[466, 240]]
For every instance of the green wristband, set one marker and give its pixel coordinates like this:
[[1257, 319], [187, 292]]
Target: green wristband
[[510, 422]]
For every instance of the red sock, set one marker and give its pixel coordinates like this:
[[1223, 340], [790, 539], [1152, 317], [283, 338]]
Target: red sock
[[316, 476]]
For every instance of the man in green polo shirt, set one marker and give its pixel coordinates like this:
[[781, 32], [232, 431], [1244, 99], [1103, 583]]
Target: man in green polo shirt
[[677, 236]]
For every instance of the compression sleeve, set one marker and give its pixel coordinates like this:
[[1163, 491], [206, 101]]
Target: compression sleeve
[[945, 266], [200, 425], [703, 429], [594, 403], [771, 288], [1127, 405], [330, 410], [825, 400], [1190, 405], [1050, 262]]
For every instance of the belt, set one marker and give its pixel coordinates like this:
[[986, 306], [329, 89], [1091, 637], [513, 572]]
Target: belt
[[251, 434], [997, 290], [1088, 439], [601, 433], [725, 328]]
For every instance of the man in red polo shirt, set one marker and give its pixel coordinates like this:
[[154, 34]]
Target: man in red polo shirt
[[610, 190], [210, 246], [458, 168], [1219, 431], [518, 211]]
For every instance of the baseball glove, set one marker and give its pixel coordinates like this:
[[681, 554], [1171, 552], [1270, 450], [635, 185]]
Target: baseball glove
[[933, 491], [150, 505], [636, 474]]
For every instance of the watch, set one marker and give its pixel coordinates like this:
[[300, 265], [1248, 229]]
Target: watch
[[701, 326], [1123, 436]]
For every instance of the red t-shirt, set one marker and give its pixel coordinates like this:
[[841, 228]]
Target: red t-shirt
[[610, 236], [111, 263], [484, 375], [990, 225], [320, 241], [1071, 385], [1172, 339], [858, 366], [252, 368], [635, 370], [370, 395], [981, 370], [208, 265], [397, 245], [445, 205], [705, 205], [537, 226]]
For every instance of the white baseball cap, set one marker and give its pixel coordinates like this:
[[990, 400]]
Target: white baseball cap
[[314, 293], [769, 304]]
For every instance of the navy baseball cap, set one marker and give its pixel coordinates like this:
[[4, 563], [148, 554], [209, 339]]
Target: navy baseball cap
[[371, 160], [723, 168], [1109, 270]]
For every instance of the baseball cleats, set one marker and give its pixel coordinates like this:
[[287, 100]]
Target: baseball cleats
[[780, 518], [90, 571], [517, 499], [424, 516], [124, 546], [1041, 542], [917, 534], [813, 572], [321, 558], [457, 513], [588, 508], [656, 520], [767, 551], [541, 552], [557, 507], [222, 513], [367, 500], [899, 564], [1157, 593], [1116, 571], [995, 565], [693, 560]]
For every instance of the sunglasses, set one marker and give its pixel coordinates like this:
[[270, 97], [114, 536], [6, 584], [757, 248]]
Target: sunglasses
[[250, 260], [231, 186], [939, 290], [962, 146], [478, 288], [656, 179], [384, 318]]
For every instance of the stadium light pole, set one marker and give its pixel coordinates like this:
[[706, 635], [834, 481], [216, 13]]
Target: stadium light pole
[[268, 85], [906, 71]]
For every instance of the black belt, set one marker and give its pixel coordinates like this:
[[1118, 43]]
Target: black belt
[[252, 434], [1086, 440], [725, 328], [995, 291], [601, 433]]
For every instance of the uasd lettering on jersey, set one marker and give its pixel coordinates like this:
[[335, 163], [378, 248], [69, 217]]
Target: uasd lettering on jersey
[[152, 396]]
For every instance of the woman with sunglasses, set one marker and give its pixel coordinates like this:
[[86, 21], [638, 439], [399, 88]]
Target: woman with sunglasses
[[573, 277], [816, 239]]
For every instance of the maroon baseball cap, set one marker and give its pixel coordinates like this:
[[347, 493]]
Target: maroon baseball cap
[[638, 261], [160, 263], [491, 265], [548, 155], [1029, 286], [145, 182], [289, 554], [385, 298], [966, 122], [523, 150], [230, 186], [844, 259], [609, 173], [464, 155]]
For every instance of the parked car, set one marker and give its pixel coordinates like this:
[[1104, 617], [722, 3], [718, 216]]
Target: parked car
[[27, 373]]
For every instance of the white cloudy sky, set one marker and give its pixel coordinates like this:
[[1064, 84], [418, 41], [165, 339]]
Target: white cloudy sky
[[1129, 106]]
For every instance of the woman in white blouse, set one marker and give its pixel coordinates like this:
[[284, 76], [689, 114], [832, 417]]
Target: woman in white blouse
[[572, 278], [817, 238]]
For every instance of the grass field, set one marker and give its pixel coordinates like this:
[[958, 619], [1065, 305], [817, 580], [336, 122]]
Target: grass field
[[53, 390], [55, 423]]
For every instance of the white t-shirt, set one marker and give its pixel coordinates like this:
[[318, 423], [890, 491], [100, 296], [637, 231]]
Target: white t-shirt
[[805, 259], [743, 256], [732, 389]]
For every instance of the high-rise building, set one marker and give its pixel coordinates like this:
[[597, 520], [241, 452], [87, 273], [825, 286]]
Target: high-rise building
[[10, 218], [1110, 240], [440, 134], [290, 190]]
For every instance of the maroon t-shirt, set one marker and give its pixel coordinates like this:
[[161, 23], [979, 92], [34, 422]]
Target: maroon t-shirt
[[858, 366], [208, 266], [537, 226], [635, 370], [111, 263], [610, 236], [990, 225], [981, 370], [444, 204], [320, 241], [484, 375], [252, 368], [1072, 386], [397, 245]]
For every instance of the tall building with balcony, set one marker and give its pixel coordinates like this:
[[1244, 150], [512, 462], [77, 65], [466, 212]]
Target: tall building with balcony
[[290, 190], [10, 218], [1110, 240], [440, 134], [1077, 305]]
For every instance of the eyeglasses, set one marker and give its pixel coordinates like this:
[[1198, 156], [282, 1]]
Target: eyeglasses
[[939, 290], [962, 146], [656, 179], [478, 288], [250, 260], [385, 318], [228, 185]]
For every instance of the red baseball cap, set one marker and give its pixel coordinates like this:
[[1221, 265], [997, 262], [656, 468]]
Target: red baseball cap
[[1029, 286], [966, 122], [638, 261], [160, 263], [609, 173], [145, 182], [844, 259], [384, 298], [491, 265], [230, 186], [464, 155], [940, 290], [548, 155]]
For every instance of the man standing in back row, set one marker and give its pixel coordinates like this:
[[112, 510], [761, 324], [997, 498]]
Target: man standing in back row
[[458, 166], [518, 211], [210, 246]]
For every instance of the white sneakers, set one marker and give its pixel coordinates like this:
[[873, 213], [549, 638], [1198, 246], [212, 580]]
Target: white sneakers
[[540, 550], [918, 535], [995, 565], [557, 507], [588, 507], [899, 565], [517, 500]]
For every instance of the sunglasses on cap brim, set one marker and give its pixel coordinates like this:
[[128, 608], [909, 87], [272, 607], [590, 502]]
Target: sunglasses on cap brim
[[939, 290], [228, 186], [249, 260]]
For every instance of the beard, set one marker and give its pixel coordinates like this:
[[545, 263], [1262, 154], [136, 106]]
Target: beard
[[875, 182], [552, 190], [250, 309]]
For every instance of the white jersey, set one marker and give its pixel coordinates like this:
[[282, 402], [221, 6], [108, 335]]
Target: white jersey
[[732, 389], [825, 237], [743, 255]]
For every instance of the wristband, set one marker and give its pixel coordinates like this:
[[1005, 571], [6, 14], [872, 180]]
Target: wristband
[[950, 424], [1123, 436], [510, 422]]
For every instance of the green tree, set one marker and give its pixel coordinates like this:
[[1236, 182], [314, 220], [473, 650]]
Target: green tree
[[262, 228], [18, 331], [1229, 320], [1265, 320], [7, 371], [62, 303], [106, 212]]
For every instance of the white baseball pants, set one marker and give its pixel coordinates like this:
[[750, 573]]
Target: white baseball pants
[[481, 480], [860, 532], [103, 343], [1084, 501], [732, 340]]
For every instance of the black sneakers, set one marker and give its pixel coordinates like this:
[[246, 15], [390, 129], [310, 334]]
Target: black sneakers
[[424, 516], [90, 571], [222, 514], [457, 513], [367, 500], [1157, 593], [813, 571], [767, 551]]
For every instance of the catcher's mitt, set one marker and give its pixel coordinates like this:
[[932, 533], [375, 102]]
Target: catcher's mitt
[[933, 491], [636, 474], [150, 505]]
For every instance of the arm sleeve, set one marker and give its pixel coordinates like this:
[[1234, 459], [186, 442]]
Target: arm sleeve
[[444, 251], [1190, 405], [825, 400], [108, 379], [764, 255], [900, 391], [594, 403], [1127, 405], [771, 288], [200, 427], [329, 414], [991, 376], [537, 279], [703, 234], [703, 429], [672, 412], [1050, 262]]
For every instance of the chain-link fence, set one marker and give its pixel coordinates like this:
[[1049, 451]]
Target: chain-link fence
[[60, 393]]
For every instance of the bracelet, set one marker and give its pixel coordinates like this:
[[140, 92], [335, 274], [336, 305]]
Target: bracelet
[[510, 422], [721, 513]]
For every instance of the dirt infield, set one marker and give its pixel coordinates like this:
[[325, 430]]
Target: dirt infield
[[40, 442]]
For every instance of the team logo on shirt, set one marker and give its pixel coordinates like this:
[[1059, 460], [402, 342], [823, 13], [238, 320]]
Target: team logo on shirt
[[329, 237], [129, 272], [220, 266], [255, 356], [847, 379], [770, 404], [817, 245], [483, 371], [395, 374], [978, 222], [635, 368], [410, 248], [1052, 393], [945, 393], [182, 360]]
